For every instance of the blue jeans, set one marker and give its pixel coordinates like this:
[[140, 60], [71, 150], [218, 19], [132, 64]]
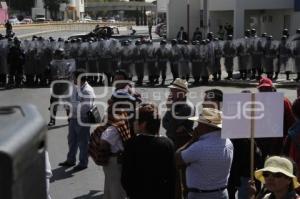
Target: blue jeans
[[78, 137], [213, 195]]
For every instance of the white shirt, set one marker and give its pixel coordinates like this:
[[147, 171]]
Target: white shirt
[[209, 162], [113, 137], [82, 98]]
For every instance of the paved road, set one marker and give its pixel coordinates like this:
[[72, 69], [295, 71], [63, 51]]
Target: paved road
[[87, 184]]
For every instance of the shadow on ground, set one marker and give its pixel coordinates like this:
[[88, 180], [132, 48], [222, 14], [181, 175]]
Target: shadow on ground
[[61, 173], [93, 194]]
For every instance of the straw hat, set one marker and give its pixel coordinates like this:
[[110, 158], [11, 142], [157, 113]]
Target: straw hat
[[180, 84], [276, 164], [209, 116]]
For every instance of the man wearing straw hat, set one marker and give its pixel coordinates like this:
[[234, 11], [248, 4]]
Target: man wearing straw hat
[[208, 158], [175, 121]]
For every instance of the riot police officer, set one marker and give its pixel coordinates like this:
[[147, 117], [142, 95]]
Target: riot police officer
[[139, 60], [229, 54], [162, 55]]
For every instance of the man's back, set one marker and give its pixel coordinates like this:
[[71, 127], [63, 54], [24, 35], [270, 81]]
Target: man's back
[[149, 168], [209, 161]]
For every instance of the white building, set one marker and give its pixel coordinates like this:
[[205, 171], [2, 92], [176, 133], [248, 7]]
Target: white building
[[75, 7], [270, 16]]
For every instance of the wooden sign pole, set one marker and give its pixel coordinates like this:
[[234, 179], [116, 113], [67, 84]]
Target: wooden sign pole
[[252, 135]]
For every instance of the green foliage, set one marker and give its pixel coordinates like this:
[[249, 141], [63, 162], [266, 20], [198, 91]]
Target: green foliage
[[21, 5]]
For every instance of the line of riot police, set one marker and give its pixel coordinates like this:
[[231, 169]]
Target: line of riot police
[[29, 62]]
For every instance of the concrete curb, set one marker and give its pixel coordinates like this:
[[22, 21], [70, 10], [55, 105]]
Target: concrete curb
[[253, 84], [29, 35]]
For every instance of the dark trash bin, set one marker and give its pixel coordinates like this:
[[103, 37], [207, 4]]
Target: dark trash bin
[[22, 153]]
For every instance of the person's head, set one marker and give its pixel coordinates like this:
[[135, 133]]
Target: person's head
[[148, 119], [122, 77], [181, 28], [285, 32], [284, 38], [253, 31], [247, 33], [208, 121], [278, 175], [298, 31], [229, 37], [264, 35], [59, 53], [296, 108], [197, 29], [265, 85], [174, 42], [163, 42], [79, 77], [213, 98], [178, 90], [220, 27]]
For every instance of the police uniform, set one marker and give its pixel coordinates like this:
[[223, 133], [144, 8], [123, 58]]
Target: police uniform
[[229, 54], [163, 54]]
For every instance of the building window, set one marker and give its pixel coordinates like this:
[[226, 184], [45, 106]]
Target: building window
[[270, 19], [286, 21], [264, 19]]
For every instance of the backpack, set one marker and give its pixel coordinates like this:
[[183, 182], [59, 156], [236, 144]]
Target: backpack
[[99, 154]]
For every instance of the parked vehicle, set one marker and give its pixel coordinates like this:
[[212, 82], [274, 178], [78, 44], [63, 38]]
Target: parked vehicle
[[161, 30], [13, 20], [26, 20], [40, 18]]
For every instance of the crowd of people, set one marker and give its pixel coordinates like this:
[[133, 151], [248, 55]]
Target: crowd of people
[[28, 62], [189, 162]]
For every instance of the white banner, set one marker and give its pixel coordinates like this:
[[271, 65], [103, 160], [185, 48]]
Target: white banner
[[268, 115]]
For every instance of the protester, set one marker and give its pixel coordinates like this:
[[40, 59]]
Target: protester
[[175, 121], [148, 160], [274, 146], [82, 101], [278, 178], [114, 136], [207, 157], [292, 142], [240, 169], [213, 98]]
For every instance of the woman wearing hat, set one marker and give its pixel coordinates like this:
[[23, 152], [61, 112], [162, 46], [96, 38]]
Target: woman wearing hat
[[278, 178]]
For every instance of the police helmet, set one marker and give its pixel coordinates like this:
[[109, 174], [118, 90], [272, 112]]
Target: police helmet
[[229, 37], [253, 31], [138, 42], [163, 42], [174, 41], [284, 37], [298, 31], [264, 34], [270, 37], [59, 52]]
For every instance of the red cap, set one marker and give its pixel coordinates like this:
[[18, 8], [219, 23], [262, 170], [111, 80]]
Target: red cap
[[265, 82]]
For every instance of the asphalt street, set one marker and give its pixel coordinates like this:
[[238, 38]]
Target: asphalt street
[[88, 183]]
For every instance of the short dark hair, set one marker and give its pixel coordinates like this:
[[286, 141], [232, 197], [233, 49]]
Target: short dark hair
[[214, 95], [148, 112], [79, 72]]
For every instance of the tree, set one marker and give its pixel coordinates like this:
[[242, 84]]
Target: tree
[[53, 6], [21, 5]]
